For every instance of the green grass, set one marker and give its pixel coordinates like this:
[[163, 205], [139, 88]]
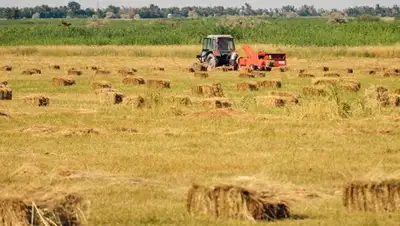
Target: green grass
[[299, 32]]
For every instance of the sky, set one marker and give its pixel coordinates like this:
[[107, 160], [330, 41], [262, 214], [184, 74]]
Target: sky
[[339, 4]]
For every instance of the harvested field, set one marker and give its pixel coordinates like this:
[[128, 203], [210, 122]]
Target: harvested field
[[158, 84], [101, 85], [132, 80], [63, 81], [270, 84], [73, 71], [209, 90], [135, 161], [37, 100], [247, 86], [369, 196], [5, 93]]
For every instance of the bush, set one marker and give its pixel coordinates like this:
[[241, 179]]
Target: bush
[[337, 18], [368, 18]]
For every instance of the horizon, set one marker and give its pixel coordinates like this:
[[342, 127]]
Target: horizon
[[256, 4]]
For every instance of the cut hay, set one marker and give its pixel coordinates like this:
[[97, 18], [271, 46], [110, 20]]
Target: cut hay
[[135, 101], [32, 71], [158, 68], [372, 72], [245, 70], [259, 74], [127, 71], [104, 90], [101, 85], [197, 67], [304, 75], [73, 71], [102, 72], [396, 91], [391, 74], [5, 93], [216, 103], [367, 196], [225, 68], [325, 69], [350, 85], [271, 101], [315, 90], [302, 71], [63, 81], [37, 100], [181, 100], [283, 69], [288, 97], [209, 90], [350, 70], [131, 80], [158, 84], [111, 97], [377, 95], [201, 75], [246, 75], [6, 68], [93, 68], [247, 86], [332, 75], [325, 81], [231, 202], [55, 67], [14, 212], [394, 100], [270, 84], [3, 84]]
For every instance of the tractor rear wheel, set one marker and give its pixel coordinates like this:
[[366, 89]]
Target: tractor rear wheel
[[211, 62]]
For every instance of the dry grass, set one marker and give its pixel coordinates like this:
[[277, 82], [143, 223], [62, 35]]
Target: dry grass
[[135, 162]]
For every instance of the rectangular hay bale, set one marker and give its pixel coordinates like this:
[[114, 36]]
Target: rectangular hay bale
[[216, 102], [201, 74], [247, 86], [37, 100], [5, 93], [209, 90], [270, 84], [111, 97], [158, 84], [101, 85], [63, 81], [271, 101], [132, 80], [315, 90], [135, 101]]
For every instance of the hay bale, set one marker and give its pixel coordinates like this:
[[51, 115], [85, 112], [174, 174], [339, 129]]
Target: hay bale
[[158, 84], [350, 70], [246, 75], [135, 101], [37, 100], [350, 86], [304, 75], [394, 100], [245, 70], [391, 74], [93, 68], [181, 100], [197, 67], [231, 202], [73, 71], [325, 81], [216, 102], [283, 69], [131, 80], [127, 71], [396, 91], [325, 69], [209, 90], [369, 196], [102, 72], [101, 85], [271, 101], [111, 97], [201, 74], [104, 90], [286, 96], [225, 68], [270, 84], [377, 95], [14, 212], [55, 67], [3, 84], [159, 68], [31, 71], [63, 81], [315, 90], [259, 74], [332, 75], [247, 86], [372, 72], [5, 93], [6, 68]]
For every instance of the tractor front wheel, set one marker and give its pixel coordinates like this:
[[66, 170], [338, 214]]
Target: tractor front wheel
[[211, 62]]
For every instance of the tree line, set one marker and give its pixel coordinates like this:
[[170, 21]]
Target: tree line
[[74, 10]]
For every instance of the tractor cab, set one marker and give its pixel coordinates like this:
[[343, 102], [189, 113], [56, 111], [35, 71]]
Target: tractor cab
[[218, 50]]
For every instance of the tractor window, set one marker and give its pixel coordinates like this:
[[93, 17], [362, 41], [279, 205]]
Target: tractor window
[[208, 44], [226, 44]]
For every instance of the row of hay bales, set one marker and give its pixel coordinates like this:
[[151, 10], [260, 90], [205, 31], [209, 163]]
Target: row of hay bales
[[68, 210], [321, 85]]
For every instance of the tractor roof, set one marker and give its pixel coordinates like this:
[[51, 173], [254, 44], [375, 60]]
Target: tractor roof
[[219, 36]]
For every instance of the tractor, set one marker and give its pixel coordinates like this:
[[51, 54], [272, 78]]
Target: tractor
[[219, 50]]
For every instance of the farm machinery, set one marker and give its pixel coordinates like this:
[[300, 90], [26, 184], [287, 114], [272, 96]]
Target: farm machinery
[[219, 50]]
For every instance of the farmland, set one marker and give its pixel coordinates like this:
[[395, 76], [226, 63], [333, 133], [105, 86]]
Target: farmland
[[135, 148], [297, 31]]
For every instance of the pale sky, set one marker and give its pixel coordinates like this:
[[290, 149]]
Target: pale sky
[[339, 4]]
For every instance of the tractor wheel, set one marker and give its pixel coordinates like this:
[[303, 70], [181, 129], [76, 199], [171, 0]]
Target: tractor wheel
[[211, 62]]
